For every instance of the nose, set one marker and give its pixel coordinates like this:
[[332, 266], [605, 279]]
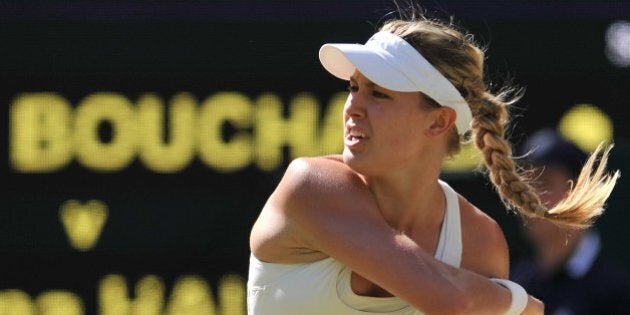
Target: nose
[[355, 106]]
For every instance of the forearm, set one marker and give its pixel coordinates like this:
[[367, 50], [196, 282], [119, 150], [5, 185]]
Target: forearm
[[489, 296], [483, 295], [463, 290], [433, 286]]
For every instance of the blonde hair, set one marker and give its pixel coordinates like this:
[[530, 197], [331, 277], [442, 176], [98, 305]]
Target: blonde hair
[[456, 55]]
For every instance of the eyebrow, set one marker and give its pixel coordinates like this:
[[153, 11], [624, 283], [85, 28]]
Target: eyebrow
[[368, 83]]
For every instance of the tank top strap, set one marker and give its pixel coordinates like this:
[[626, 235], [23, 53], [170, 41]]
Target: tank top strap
[[449, 249]]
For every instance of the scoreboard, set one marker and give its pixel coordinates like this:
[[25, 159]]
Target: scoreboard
[[140, 141]]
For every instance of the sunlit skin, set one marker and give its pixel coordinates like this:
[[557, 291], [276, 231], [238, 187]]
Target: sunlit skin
[[387, 132], [396, 141], [552, 244], [380, 204]]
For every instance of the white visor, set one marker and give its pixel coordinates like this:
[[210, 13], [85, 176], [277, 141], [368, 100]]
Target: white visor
[[389, 61]]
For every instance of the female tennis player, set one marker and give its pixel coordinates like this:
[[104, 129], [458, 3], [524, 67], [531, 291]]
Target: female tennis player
[[374, 230]]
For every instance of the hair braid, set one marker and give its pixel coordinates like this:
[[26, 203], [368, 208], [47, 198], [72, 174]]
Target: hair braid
[[456, 55], [488, 133], [586, 198]]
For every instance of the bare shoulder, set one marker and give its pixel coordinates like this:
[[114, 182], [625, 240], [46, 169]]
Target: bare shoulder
[[310, 190], [307, 180], [485, 248]]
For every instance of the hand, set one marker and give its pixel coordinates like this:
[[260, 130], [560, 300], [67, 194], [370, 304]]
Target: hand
[[534, 307]]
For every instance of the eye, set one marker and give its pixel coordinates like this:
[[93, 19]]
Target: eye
[[353, 88], [378, 94]]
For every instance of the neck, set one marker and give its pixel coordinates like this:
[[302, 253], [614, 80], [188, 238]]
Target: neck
[[409, 198]]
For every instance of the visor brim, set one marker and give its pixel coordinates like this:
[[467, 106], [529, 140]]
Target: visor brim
[[341, 60]]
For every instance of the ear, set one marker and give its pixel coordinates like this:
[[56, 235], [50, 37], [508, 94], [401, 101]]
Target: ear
[[443, 120]]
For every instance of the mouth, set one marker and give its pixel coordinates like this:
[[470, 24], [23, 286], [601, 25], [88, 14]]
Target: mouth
[[354, 137]]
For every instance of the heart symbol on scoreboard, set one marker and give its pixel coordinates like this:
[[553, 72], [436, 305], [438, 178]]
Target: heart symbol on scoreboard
[[83, 222]]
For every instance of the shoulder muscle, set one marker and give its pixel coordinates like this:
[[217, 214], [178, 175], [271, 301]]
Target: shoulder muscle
[[310, 199], [494, 262]]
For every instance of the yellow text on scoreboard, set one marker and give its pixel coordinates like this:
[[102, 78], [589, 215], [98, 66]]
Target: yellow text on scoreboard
[[227, 131]]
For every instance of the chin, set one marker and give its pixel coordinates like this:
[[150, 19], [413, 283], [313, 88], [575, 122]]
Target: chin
[[356, 162], [348, 157]]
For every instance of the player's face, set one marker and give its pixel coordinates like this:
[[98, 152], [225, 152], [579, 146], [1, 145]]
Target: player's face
[[384, 129]]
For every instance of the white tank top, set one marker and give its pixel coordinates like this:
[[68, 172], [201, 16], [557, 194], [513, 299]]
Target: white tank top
[[323, 287]]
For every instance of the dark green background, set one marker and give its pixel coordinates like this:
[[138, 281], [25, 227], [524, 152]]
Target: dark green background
[[198, 220]]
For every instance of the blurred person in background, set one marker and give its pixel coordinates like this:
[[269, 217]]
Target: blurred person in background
[[566, 271]]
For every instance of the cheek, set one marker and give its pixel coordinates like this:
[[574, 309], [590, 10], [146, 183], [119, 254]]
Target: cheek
[[400, 127], [403, 138], [410, 126]]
